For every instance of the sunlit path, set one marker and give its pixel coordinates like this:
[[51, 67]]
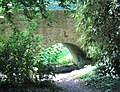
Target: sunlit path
[[67, 82]]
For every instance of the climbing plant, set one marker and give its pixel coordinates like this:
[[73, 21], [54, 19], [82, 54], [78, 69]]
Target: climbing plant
[[98, 22]]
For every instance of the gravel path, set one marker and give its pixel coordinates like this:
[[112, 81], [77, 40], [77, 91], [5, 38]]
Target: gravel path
[[67, 82]]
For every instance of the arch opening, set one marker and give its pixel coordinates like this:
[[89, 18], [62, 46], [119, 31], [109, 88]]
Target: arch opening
[[64, 54]]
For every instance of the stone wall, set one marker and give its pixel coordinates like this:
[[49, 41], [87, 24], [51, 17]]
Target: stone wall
[[61, 32]]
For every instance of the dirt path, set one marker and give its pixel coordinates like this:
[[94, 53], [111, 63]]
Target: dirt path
[[67, 82]]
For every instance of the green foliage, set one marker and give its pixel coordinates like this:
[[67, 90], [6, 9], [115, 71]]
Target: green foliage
[[51, 54], [64, 61], [102, 83], [55, 55], [88, 72], [105, 84], [19, 61], [99, 26], [31, 7], [65, 58], [19, 49], [18, 58]]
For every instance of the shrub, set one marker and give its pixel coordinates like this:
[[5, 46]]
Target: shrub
[[56, 55], [99, 26], [51, 54], [19, 61]]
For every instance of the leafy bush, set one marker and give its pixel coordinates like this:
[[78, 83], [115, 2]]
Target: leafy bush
[[105, 84], [102, 83], [19, 61], [56, 55], [51, 54], [100, 35], [19, 49]]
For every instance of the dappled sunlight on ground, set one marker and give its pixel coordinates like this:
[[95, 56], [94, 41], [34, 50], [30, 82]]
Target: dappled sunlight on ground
[[83, 71], [68, 81], [75, 73]]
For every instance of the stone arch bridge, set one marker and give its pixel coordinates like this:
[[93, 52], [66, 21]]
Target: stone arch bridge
[[63, 32], [59, 29]]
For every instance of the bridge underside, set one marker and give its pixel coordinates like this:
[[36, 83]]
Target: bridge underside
[[79, 56], [77, 53]]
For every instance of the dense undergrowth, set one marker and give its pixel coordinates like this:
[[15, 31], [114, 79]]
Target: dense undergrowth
[[93, 79], [105, 84], [99, 25]]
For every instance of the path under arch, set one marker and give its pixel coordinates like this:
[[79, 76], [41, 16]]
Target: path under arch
[[67, 82]]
